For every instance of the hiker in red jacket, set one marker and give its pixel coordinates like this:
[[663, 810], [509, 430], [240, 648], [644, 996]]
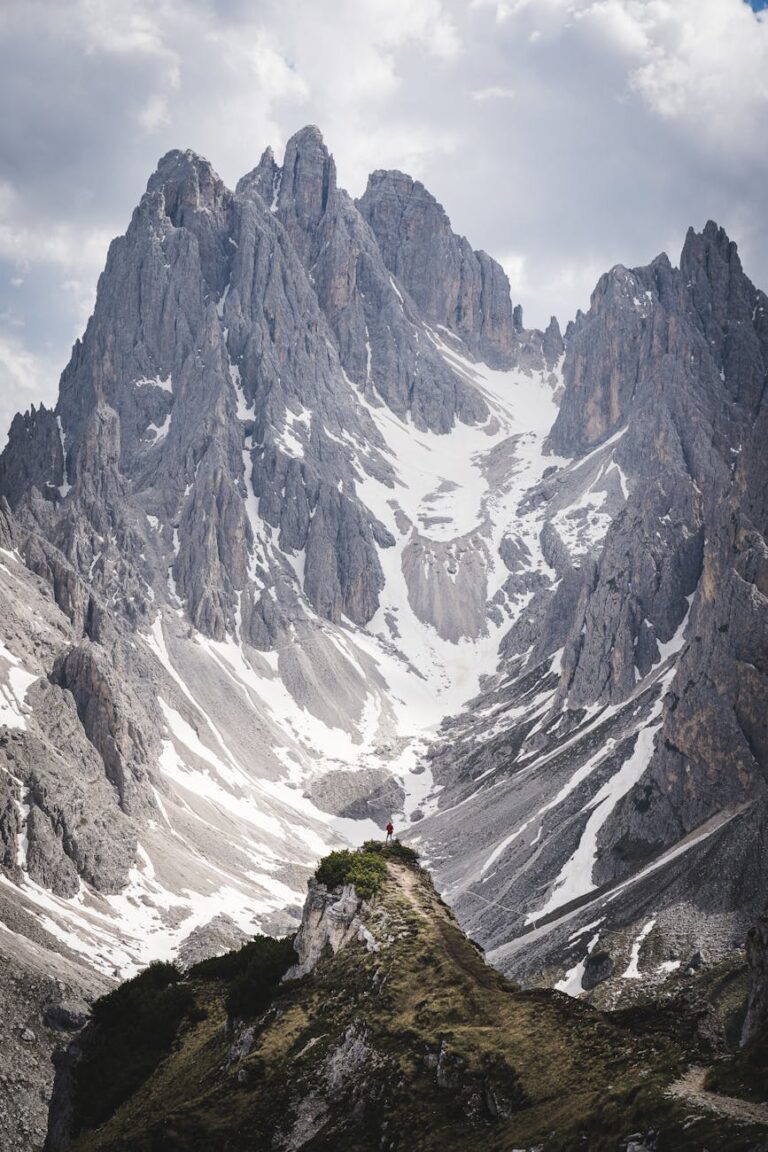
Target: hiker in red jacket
[[390, 832]]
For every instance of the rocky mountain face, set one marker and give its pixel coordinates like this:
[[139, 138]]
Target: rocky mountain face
[[349, 1051], [318, 534], [756, 1021], [630, 776]]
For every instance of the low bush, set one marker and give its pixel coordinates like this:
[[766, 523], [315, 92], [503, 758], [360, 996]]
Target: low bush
[[233, 964], [131, 1029], [256, 971], [366, 870]]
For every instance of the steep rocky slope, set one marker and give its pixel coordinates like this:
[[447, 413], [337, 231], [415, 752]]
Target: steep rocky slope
[[353, 1052], [607, 791], [311, 490]]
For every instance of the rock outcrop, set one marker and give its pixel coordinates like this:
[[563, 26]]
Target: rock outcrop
[[756, 1022], [329, 921]]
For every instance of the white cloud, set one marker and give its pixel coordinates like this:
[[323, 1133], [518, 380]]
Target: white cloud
[[493, 92], [59, 244], [567, 134], [24, 379], [514, 264], [706, 64]]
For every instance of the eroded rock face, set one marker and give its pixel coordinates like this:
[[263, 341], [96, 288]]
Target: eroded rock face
[[113, 718], [452, 286], [218, 936], [206, 346], [756, 1023], [658, 634], [34, 457], [330, 920], [74, 827], [358, 794], [447, 584], [380, 334], [216, 393]]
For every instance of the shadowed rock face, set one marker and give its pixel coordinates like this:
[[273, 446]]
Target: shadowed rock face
[[756, 1023], [33, 457]]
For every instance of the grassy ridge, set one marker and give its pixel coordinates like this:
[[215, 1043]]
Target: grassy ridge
[[418, 1045]]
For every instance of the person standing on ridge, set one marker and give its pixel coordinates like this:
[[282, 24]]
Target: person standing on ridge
[[390, 832]]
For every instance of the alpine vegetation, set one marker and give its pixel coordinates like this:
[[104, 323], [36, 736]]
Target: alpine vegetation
[[390, 1030]]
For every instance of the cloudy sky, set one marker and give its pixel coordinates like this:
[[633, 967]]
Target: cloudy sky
[[563, 136]]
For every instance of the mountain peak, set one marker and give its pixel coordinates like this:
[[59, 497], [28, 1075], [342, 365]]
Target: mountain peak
[[712, 241], [308, 182], [309, 136], [453, 286], [389, 185], [186, 180], [178, 164], [263, 179]]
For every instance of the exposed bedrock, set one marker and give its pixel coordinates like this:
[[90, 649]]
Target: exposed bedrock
[[447, 584]]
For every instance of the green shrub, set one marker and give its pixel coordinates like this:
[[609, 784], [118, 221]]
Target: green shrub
[[256, 971], [132, 1028], [366, 870], [233, 964], [394, 850], [333, 870]]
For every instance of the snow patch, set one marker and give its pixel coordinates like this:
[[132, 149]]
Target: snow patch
[[571, 982], [633, 972]]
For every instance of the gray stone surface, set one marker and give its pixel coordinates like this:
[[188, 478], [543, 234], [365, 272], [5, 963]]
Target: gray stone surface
[[452, 286], [756, 1022], [664, 383], [362, 793], [218, 936], [330, 919]]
